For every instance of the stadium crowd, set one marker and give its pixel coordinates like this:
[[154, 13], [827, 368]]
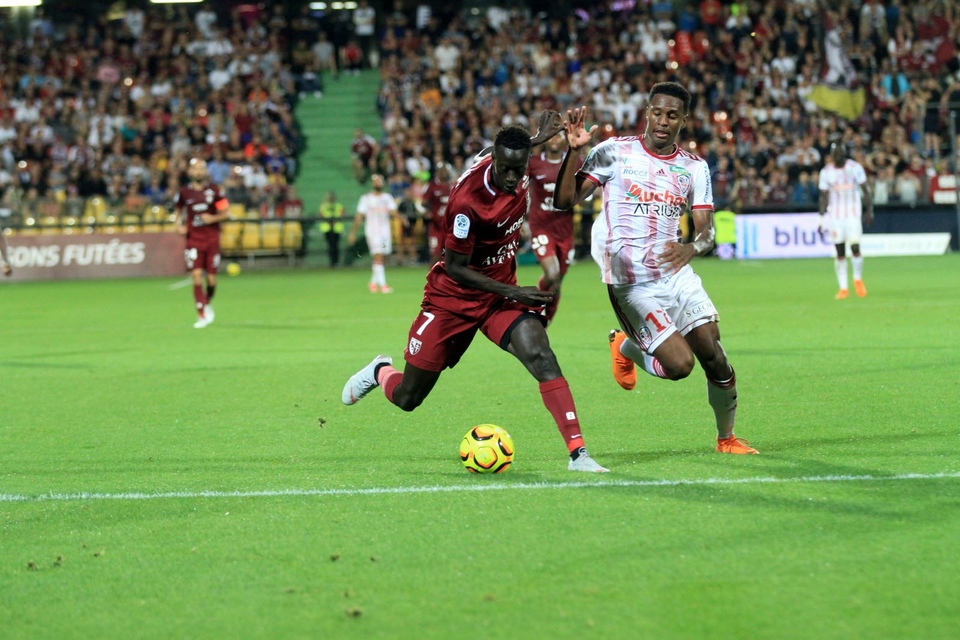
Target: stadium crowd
[[116, 107], [449, 82]]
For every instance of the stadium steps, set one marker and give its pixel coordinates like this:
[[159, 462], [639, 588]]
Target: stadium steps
[[328, 124]]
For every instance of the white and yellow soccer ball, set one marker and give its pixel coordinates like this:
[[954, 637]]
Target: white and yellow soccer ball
[[487, 448]]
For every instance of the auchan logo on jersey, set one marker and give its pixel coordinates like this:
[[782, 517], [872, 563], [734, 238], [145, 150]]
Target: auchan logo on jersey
[[642, 195]]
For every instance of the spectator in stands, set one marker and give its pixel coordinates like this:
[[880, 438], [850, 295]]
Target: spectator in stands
[[364, 28], [909, 188], [325, 55], [804, 191], [884, 186], [351, 57]]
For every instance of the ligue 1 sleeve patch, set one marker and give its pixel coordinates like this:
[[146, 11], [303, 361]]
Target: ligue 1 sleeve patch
[[461, 226]]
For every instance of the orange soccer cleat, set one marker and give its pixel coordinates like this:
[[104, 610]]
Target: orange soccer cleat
[[860, 288], [624, 371], [734, 444], [842, 294]]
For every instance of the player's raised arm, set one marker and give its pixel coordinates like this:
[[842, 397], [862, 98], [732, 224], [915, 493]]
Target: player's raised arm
[[572, 189]]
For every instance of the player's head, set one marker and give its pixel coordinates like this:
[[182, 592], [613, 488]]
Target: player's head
[[666, 114], [554, 145], [838, 153], [511, 153], [376, 182], [197, 170]]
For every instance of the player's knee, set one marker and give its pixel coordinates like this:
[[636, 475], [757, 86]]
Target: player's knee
[[679, 369], [408, 401], [543, 365]]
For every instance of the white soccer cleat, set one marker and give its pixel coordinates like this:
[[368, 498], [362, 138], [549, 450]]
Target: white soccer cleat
[[201, 323], [208, 314], [363, 382], [585, 463]]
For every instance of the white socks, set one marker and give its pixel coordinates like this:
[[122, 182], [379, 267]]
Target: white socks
[[840, 266], [379, 276], [857, 267]]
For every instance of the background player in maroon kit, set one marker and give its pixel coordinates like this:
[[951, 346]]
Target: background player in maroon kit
[[438, 192], [364, 149], [201, 208], [551, 230], [474, 288]]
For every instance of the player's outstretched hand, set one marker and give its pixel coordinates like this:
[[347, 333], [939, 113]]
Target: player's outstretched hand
[[577, 134], [7, 270], [532, 296], [549, 124]]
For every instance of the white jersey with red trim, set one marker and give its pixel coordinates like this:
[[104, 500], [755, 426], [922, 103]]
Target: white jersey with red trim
[[843, 184], [644, 197], [376, 208]]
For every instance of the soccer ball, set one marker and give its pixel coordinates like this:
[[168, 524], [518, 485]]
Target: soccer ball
[[233, 269], [486, 448]]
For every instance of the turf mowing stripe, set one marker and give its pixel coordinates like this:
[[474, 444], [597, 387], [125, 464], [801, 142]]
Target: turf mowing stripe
[[67, 497]]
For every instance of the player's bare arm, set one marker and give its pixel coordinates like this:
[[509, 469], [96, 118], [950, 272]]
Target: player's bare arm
[[867, 200], [352, 236], [458, 268], [4, 256], [824, 199], [675, 255], [572, 189]]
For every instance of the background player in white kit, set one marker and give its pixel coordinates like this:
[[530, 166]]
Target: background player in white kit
[[377, 208], [666, 315], [845, 208]]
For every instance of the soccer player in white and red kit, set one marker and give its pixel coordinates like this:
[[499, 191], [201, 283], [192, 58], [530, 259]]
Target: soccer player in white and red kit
[[474, 288], [667, 318], [845, 208], [551, 230], [375, 210], [201, 207]]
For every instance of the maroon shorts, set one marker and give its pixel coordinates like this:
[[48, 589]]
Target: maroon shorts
[[204, 256], [545, 245], [440, 335]]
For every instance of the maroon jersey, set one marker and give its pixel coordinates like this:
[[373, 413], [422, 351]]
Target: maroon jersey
[[543, 217], [363, 147], [192, 203], [438, 193], [485, 222]]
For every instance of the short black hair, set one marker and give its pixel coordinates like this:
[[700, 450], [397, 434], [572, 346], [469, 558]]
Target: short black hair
[[513, 136], [673, 89]]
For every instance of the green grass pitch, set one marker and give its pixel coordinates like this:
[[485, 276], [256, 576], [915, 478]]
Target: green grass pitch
[[158, 481]]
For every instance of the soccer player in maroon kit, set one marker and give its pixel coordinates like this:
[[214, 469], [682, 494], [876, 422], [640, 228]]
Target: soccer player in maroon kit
[[201, 208], [438, 193], [551, 230], [474, 288]]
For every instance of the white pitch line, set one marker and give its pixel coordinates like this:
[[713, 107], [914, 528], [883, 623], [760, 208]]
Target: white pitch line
[[68, 497], [179, 284]]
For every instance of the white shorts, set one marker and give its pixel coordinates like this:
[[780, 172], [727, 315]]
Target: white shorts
[[650, 312], [848, 230], [380, 244]]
